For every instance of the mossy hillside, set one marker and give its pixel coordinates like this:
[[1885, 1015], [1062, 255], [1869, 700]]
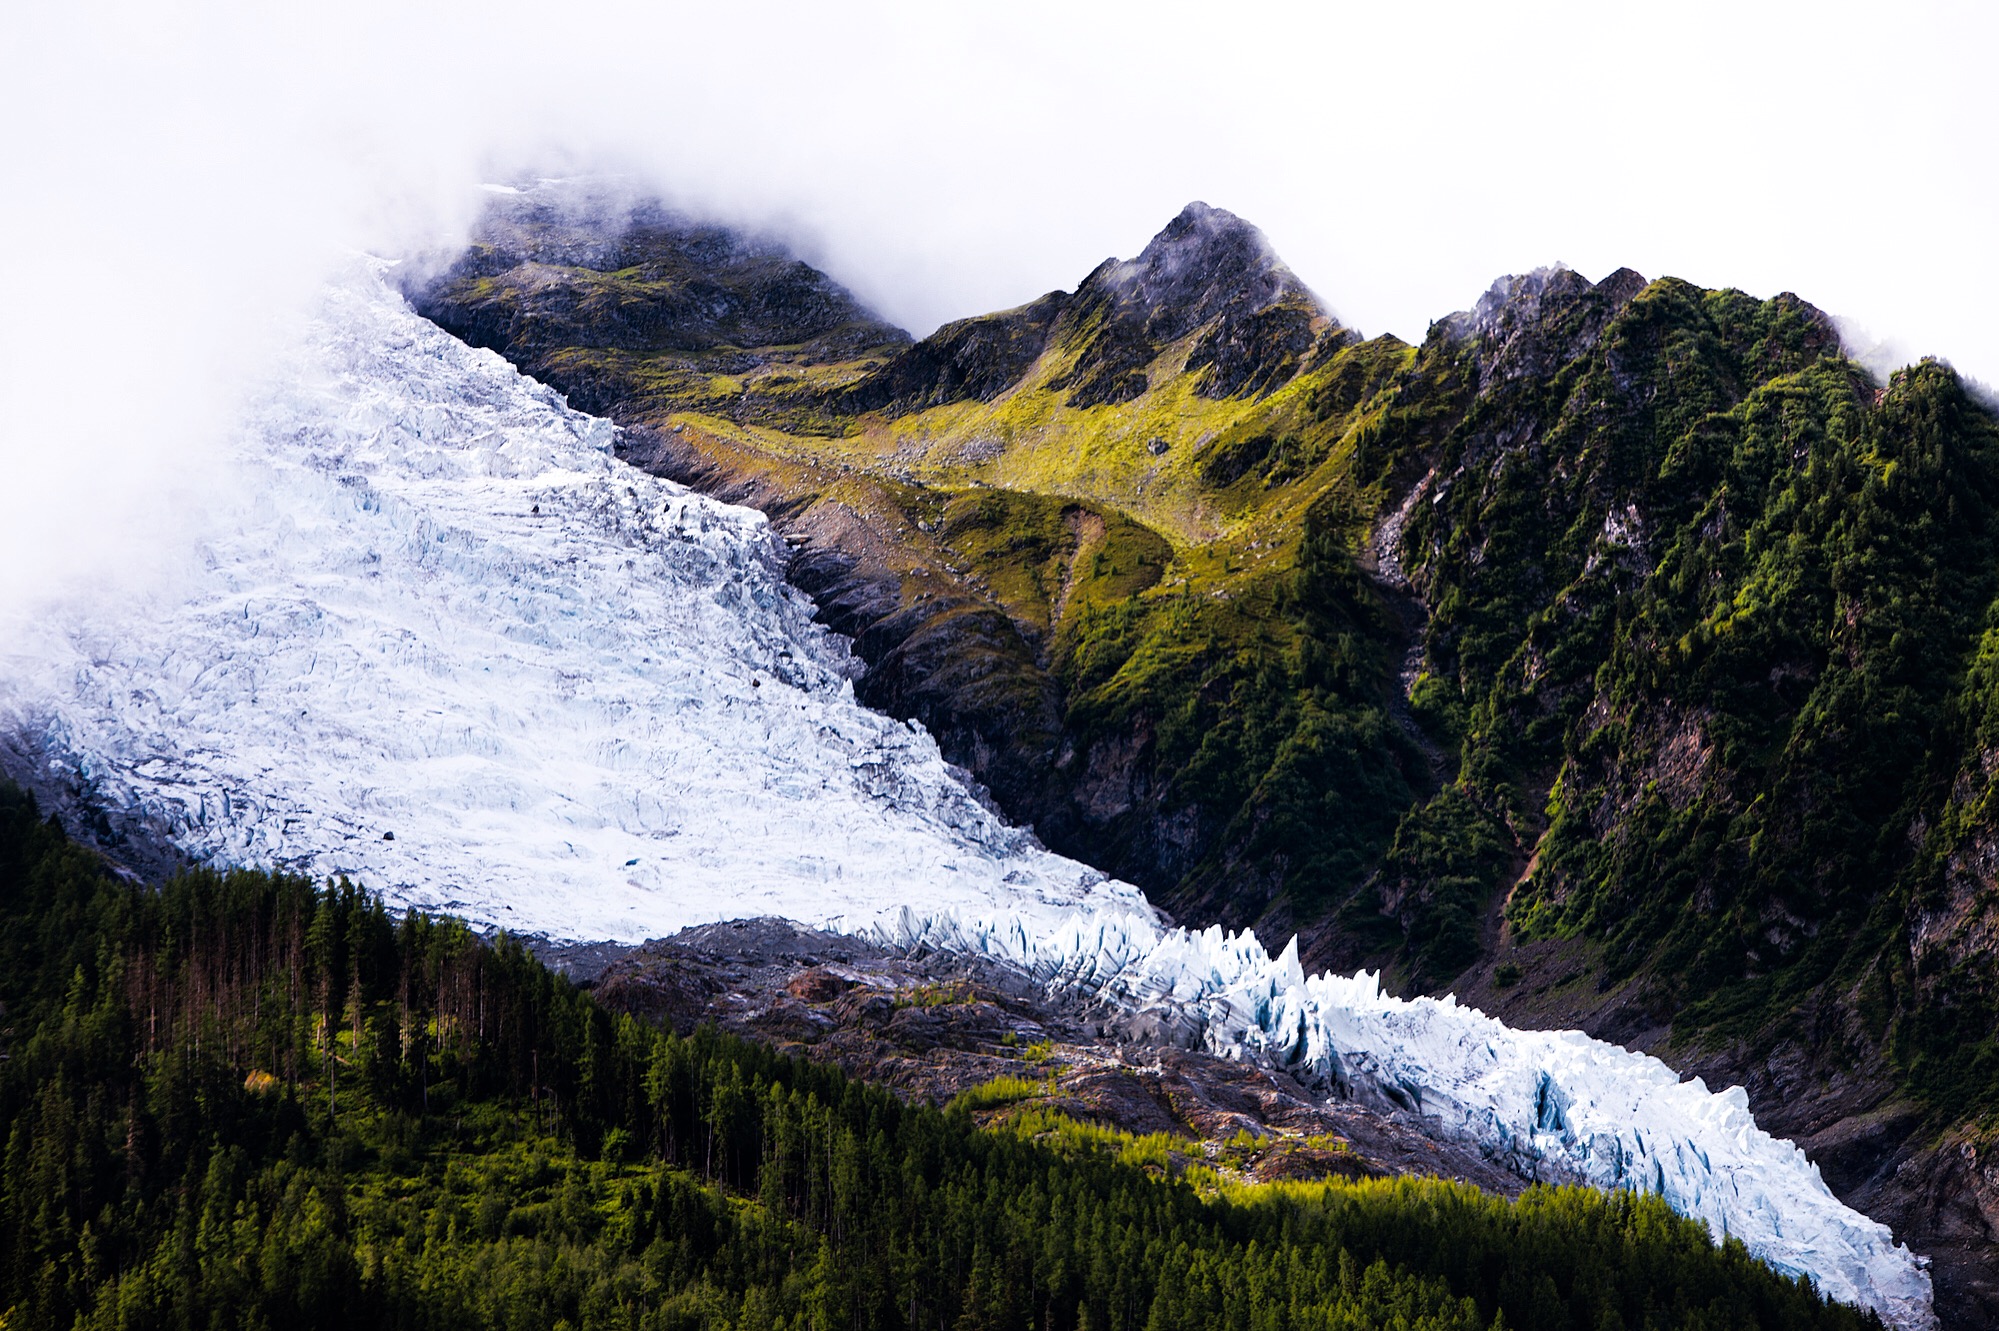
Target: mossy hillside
[[1169, 457], [1934, 1003], [1256, 684], [1639, 717], [1545, 497], [1821, 653], [1046, 560], [1264, 696], [1709, 607], [784, 389], [1243, 673]]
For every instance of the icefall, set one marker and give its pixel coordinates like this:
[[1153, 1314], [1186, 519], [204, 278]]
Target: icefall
[[1553, 1105], [436, 637]]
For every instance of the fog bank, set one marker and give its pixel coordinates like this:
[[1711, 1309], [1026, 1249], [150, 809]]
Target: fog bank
[[181, 180]]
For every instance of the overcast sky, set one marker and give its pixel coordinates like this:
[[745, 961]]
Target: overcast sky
[[181, 176]]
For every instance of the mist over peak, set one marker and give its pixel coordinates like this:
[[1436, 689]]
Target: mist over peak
[[593, 264]]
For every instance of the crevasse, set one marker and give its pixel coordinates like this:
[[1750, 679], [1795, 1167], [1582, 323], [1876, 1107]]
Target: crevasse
[[439, 639]]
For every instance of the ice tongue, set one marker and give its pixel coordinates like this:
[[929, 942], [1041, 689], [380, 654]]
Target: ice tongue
[[1554, 1105]]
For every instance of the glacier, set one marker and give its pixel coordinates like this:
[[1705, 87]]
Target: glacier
[[1555, 1106], [438, 639]]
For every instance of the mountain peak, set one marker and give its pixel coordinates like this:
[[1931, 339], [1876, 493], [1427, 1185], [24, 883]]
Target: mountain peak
[[1205, 262], [1204, 222], [1208, 276], [1207, 272]]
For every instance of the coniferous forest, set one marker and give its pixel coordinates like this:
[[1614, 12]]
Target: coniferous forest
[[243, 1100]]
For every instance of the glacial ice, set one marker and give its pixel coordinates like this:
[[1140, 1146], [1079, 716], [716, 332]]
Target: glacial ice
[[1551, 1105], [440, 640]]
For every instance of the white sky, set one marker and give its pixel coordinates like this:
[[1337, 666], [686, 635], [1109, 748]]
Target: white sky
[[180, 176]]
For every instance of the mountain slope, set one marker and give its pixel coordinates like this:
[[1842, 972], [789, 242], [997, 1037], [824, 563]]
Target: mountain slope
[[436, 639], [1616, 657]]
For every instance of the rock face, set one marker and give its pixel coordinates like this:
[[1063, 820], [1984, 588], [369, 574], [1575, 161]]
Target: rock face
[[1518, 324], [576, 284], [541, 260], [972, 359], [1208, 273]]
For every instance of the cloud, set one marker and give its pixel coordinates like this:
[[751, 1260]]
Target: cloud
[[180, 176]]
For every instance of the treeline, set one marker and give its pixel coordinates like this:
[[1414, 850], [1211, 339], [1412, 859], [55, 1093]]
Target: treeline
[[237, 1100]]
